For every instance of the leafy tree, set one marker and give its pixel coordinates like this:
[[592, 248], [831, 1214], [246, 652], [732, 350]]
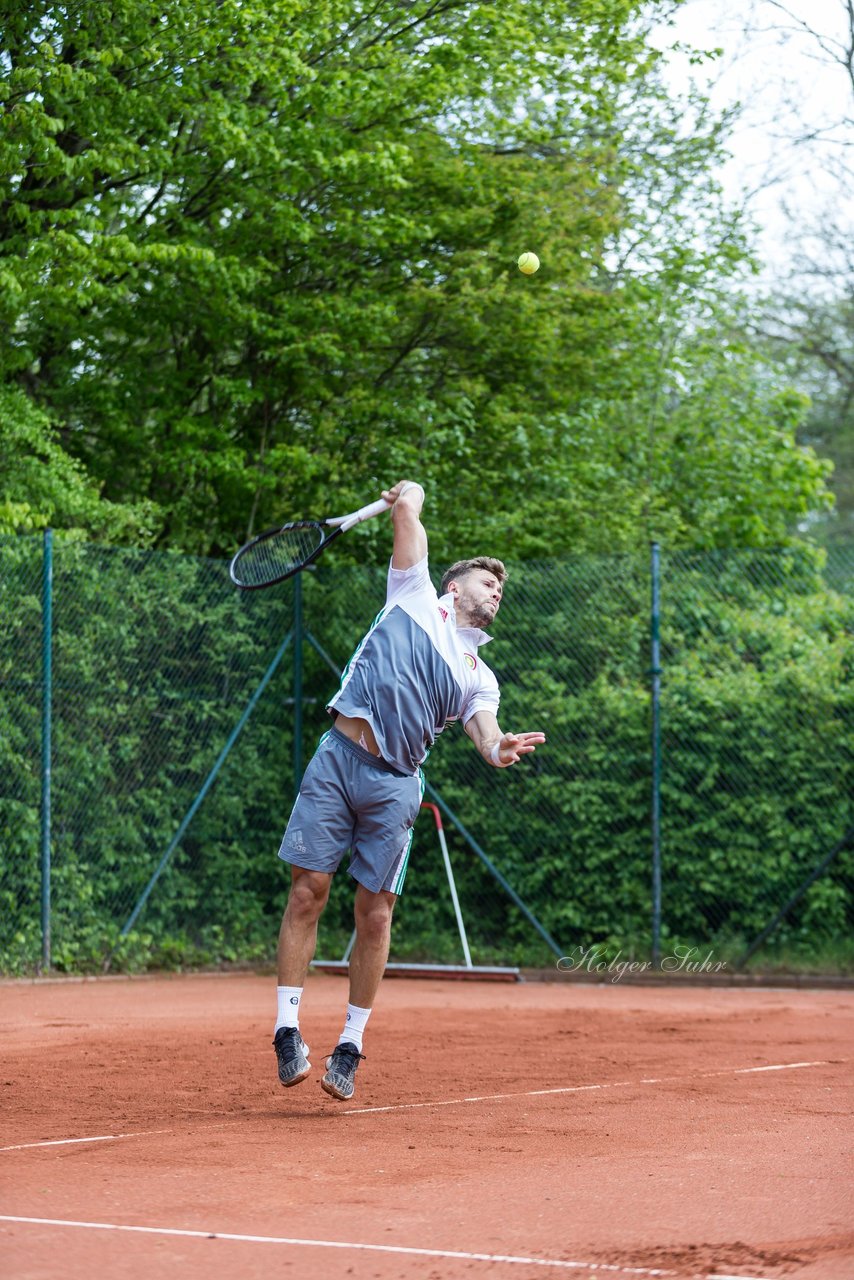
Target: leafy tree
[[812, 339], [806, 322], [259, 254], [41, 485]]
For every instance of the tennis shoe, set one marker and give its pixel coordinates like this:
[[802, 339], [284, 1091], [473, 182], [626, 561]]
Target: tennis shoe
[[292, 1054], [339, 1081]]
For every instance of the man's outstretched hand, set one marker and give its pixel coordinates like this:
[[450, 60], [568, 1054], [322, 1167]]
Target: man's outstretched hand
[[512, 746]]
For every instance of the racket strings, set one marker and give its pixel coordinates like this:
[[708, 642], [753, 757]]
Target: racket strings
[[277, 555]]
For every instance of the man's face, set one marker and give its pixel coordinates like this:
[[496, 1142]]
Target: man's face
[[477, 597]]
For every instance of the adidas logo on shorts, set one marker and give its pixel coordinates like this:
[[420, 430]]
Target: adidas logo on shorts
[[295, 841]]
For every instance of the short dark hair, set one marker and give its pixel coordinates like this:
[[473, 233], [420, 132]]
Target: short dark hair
[[463, 567]]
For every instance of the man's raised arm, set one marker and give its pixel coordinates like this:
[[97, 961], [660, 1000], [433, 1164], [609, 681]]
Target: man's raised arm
[[410, 536]]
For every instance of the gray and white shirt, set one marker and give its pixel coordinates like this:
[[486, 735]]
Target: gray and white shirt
[[415, 671]]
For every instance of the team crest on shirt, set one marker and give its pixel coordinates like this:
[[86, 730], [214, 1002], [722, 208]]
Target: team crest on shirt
[[471, 661]]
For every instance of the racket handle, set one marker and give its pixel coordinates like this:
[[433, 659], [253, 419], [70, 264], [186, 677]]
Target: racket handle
[[365, 513]]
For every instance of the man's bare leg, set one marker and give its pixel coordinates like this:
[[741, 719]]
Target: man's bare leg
[[298, 934], [297, 942], [373, 912]]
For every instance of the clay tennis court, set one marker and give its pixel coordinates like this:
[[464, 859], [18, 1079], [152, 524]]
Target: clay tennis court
[[507, 1130]]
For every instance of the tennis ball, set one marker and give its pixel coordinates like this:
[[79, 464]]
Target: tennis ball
[[528, 263]]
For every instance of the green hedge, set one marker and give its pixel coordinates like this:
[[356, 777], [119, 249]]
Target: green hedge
[[156, 657]]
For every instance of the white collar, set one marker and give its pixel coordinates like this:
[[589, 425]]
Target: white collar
[[473, 634]]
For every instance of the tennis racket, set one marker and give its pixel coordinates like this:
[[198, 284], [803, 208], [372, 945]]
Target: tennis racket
[[280, 553]]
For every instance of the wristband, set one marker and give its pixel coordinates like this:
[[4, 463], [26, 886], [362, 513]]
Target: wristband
[[411, 484], [495, 758]]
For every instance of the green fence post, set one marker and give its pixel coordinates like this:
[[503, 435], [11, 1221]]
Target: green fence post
[[47, 694], [655, 635]]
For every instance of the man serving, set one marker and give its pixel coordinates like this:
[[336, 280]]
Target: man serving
[[417, 669]]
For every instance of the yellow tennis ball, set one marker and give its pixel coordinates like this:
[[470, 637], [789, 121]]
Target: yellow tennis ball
[[528, 263]]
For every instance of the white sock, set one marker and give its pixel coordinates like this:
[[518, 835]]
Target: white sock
[[354, 1025], [288, 999]]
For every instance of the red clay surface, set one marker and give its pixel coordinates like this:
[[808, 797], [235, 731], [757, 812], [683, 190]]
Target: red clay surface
[[550, 1129]]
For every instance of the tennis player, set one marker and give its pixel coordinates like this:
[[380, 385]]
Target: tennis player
[[417, 669]]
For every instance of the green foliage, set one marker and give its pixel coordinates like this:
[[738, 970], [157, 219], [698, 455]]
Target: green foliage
[[257, 255], [152, 669], [155, 659], [811, 341], [41, 485], [259, 259], [766, 654]]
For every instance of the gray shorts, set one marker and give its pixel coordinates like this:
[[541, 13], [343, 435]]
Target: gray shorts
[[351, 800]]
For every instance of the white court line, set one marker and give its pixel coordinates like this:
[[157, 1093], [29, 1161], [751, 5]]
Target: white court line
[[101, 1137], [564, 1264], [455, 1254], [456, 1102], [582, 1088]]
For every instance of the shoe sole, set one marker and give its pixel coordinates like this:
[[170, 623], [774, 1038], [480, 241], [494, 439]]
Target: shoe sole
[[288, 1084], [335, 1093]]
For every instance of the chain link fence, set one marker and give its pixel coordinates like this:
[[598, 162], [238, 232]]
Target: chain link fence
[[182, 711]]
